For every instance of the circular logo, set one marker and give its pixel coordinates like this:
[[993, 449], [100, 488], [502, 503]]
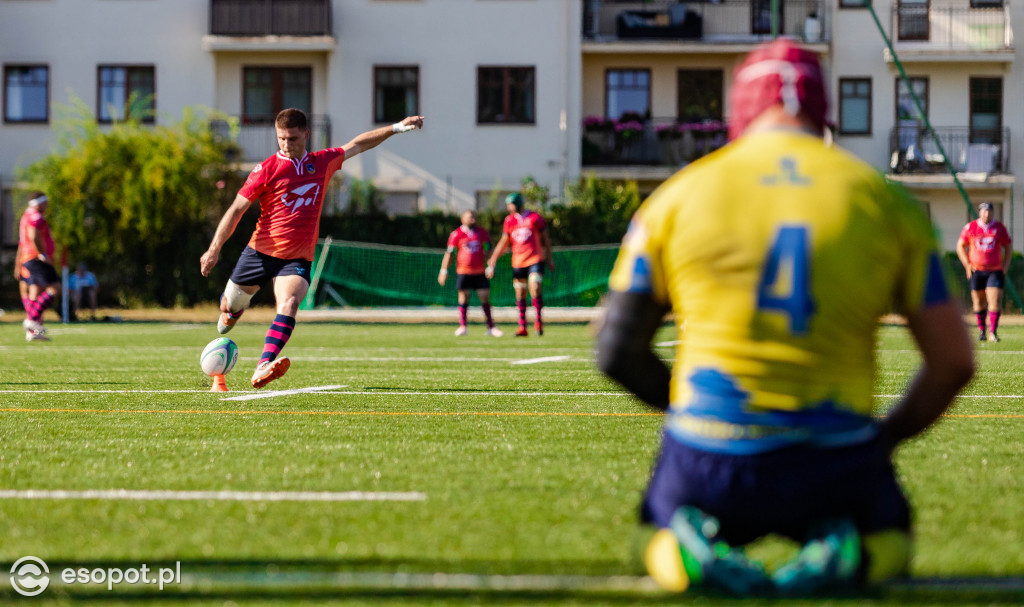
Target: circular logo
[[30, 576]]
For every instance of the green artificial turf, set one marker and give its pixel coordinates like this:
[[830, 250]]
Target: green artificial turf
[[527, 469]]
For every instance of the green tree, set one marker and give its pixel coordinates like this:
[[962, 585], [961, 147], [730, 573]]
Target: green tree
[[139, 203]]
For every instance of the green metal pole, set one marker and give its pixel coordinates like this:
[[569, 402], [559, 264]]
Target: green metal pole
[[775, 18]]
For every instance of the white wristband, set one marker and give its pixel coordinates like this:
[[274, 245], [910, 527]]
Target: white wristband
[[444, 271], [398, 127]]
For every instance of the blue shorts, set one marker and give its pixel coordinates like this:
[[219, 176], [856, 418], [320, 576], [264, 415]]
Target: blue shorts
[[524, 273], [987, 279], [254, 269], [783, 491], [40, 273]]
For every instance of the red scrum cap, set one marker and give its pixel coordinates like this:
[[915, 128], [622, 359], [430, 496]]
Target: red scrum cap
[[777, 72]]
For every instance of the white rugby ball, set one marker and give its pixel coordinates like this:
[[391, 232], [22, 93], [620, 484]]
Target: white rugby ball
[[219, 356]]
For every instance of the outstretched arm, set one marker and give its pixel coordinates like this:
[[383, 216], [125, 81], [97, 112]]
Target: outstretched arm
[[947, 367], [371, 139], [624, 346], [225, 229]]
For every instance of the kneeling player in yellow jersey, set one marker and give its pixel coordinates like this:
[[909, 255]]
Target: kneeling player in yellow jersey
[[777, 255]]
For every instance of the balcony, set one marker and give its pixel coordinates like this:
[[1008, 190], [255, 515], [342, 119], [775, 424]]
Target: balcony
[[257, 137], [726, 23], [270, 18], [657, 142], [975, 154], [957, 32]]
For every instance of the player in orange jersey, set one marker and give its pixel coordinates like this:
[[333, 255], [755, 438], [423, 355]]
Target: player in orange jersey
[[527, 233], [290, 186]]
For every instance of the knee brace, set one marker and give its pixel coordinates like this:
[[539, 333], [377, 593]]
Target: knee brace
[[536, 277], [519, 283], [236, 298]]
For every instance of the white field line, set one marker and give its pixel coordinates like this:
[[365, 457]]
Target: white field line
[[276, 393], [217, 496], [544, 359], [340, 392], [667, 344], [334, 390]]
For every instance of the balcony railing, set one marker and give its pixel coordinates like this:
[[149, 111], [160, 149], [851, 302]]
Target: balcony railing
[[257, 137], [270, 18], [986, 151], [721, 22], [653, 142], [959, 27]]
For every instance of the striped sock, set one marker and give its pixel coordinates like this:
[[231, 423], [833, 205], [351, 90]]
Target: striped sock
[[26, 303], [993, 321], [463, 310], [521, 304], [36, 308], [979, 316], [538, 303], [277, 336]]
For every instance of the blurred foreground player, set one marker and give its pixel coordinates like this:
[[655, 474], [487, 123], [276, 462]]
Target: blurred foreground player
[[777, 255], [469, 243], [290, 186]]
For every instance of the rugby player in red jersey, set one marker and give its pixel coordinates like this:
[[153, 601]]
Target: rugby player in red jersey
[[290, 186], [984, 250], [527, 233], [469, 242], [33, 266]]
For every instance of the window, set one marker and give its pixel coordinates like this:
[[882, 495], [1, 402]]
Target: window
[[627, 92], [761, 16], [26, 93], [126, 91], [986, 3], [986, 120], [854, 3], [855, 106], [908, 123], [700, 95], [268, 90], [913, 22], [505, 95], [395, 93]]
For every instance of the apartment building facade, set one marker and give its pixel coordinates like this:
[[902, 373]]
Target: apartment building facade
[[497, 81], [655, 76], [547, 88]]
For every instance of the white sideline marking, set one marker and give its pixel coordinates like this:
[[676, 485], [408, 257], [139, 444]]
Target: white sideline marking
[[545, 359], [667, 344], [218, 496], [275, 393]]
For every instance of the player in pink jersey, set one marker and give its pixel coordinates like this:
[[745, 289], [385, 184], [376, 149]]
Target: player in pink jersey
[[33, 266], [984, 250], [290, 187], [527, 233], [470, 243]]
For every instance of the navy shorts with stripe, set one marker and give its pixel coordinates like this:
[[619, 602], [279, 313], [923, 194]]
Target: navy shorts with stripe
[[40, 273], [524, 273], [987, 279], [783, 491], [254, 269]]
